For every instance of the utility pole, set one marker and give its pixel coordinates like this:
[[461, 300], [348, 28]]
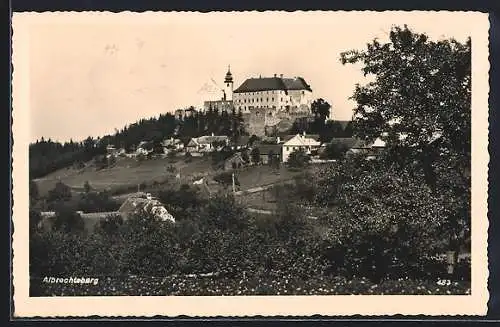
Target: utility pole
[[234, 187]]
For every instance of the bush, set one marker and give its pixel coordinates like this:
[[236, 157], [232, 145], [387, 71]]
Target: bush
[[298, 159], [226, 179], [180, 202], [68, 221], [110, 225], [334, 151], [35, 219], [60, 192], [97, 202]]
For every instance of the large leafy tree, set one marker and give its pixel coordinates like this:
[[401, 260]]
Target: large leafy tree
[[420, 88], [418, 102]]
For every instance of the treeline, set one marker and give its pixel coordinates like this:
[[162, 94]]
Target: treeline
[[47, 156]]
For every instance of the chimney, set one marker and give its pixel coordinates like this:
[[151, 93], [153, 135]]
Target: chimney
[[274, 75], [213, 134], [281, 75], [278, 140], [304, 133]]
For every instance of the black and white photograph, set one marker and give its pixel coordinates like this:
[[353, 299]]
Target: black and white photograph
[[248, 157]]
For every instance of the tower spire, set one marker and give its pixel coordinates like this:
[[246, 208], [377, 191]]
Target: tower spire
[[228, 85]]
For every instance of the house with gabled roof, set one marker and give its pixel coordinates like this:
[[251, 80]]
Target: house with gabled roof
[[172, 144], [147, 205], [207, 143], [267, 151], [299, 142]]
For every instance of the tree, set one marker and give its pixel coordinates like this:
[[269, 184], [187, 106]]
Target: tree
[[255, 155], [33, 191], [383, 223], [330, 130], [298, 159], [86, 187], [335, 151], [270, 158], [226, 179], [34, 220], [245, 156], [321, 109], [110, 225], [60, 192], [419, 104], [254, 138], [67, 220], [422, 88]]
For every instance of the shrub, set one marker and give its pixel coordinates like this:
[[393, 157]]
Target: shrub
[[60, 192], [97, 202], [68, 221], [334, 151], [226, 179], [255, 155], [110, 225], [298, 159], [35, 219]]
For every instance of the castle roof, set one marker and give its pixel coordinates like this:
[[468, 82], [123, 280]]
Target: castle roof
[[273, 83]]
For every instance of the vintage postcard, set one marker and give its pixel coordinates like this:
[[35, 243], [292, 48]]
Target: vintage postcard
[[250, 163]]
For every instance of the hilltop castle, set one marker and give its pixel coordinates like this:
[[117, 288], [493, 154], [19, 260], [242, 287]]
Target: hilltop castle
[[268, 104]]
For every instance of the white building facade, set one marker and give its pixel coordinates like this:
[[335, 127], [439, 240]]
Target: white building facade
[[297, 143], [273, 92]]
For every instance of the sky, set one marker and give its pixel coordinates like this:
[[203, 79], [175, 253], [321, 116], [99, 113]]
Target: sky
[[91, 74]]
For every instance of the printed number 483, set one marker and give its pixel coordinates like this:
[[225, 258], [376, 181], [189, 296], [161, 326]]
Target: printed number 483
[[444, 282]]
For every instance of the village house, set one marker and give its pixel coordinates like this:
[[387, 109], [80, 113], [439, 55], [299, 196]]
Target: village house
[[205, 144], [172, 144], [144, 148], [298, 142], [241, 143], [111, 150], [148, 204], [267, 151], [369, 149]]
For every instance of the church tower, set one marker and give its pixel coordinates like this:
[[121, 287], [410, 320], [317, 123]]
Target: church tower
[[228, 85]]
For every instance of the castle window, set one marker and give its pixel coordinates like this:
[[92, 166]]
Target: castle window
[[303, 92], [267, 99], [272, 99], [282, 99], [260, 99]]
